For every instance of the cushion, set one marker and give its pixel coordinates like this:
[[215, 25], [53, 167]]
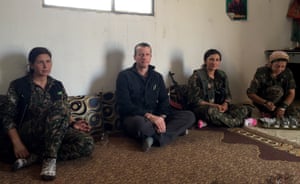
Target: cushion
[[98, 110], [88, 108], [111, 118]]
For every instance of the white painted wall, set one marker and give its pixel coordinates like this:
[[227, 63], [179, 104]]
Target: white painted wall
[[90, 48]]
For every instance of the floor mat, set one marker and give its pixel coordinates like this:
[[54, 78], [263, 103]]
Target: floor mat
[[271, 148]]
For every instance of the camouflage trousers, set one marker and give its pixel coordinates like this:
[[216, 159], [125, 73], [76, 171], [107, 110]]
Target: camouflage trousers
[[233, 117], [53, 138], [291, 111], [274, 94], [75, 144]]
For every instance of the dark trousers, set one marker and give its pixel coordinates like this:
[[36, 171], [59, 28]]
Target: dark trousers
[[177, 122]]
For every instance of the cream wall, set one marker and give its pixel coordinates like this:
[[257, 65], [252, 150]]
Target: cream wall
[[89, 48]]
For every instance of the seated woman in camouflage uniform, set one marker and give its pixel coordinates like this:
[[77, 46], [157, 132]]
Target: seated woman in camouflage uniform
[[209, 94], [272, 91], [37, 120]]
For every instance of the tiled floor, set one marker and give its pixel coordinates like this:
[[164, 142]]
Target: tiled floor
[[289, 135]]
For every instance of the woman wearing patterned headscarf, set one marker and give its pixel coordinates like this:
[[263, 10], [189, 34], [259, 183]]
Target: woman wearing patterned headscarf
[[272, 91]]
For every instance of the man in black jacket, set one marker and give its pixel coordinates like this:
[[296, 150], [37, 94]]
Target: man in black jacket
[[143, 103]]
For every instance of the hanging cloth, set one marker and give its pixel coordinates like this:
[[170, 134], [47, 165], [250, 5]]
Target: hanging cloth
[[294, 10]]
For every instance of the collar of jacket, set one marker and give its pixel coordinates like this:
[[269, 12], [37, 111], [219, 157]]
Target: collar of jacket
[[150, 68]]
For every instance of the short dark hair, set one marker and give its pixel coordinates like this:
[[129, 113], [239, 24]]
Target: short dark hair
[[142, 44], [35, 52]]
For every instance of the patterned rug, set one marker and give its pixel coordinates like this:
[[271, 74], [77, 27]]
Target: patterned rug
[[203, 156], [271, 147]]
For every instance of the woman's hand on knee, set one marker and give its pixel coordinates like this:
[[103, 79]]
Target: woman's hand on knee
[[20, 150], [82, 125]]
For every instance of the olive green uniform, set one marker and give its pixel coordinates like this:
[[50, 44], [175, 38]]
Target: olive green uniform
[[203, 88], [273, 89], [41, 117]]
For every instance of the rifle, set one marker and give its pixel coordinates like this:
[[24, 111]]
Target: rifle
[[177, 94], [172, 78]]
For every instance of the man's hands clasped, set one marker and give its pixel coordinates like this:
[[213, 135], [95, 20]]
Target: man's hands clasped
[[158, 121]]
